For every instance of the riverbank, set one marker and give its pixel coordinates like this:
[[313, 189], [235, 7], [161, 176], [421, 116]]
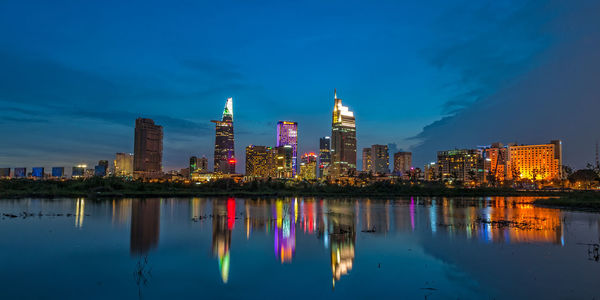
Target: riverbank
[[118, 188], [584, 201]]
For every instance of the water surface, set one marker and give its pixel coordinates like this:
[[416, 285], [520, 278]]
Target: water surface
[[230, 248]]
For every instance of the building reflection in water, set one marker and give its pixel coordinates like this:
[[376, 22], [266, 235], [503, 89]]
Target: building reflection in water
[[145, 225], [121, 211], [342, 235], [79, 212], [223, 222], [284, 231]]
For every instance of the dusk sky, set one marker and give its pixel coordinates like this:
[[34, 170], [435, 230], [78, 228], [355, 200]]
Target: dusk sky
[[74, 75]]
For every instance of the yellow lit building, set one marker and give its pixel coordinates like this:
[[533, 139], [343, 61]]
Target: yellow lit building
[[259, 161], [535, 162]]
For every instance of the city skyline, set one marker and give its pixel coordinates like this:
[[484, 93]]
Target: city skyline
[[422, 82]]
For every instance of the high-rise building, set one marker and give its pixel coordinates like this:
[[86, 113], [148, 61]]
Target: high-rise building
[[367, 160], [402, 162], [4, 173], [287, 134], [381, 159], [464, 165], [224, 160], [324, 155], [496, 157], [202, 166], [58, 172], [343, 139], [123, 164], [259, 161], [283, 162], [148, 147], [78, 171], [193, 164], [308, 166], [535, 162]]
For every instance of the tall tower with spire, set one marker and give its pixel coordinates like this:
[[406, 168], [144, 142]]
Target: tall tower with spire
[[343, 139], [224, 160]]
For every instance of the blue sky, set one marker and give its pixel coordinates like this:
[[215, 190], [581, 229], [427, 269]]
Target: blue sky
[[75, 75]]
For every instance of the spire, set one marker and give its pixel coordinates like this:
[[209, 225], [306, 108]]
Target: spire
[[228, 110], [334, 94]]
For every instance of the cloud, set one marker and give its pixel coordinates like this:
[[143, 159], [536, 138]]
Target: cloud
[[554, 98]]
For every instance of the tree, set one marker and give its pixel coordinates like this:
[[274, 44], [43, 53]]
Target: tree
[[584, 178]]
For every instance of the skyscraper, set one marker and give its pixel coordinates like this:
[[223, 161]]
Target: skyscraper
[[259, 161], [381, 159], [324, 155], [287, 134], [308, 166], [123, 164], [402, 162], [343, 139], [224, 160], [193, 164], [367, 160], [148, 147], [202, 166]]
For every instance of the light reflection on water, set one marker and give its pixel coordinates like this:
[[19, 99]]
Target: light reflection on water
[[412, 247]]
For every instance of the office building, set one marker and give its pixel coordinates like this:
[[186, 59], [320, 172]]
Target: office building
[[4, 173], [287, 134], [259, 161], [123, 164], [283, 162], [20, 172], [58, 172], [535, 162], [37, 172], [367, 160], [464, 165], [402, 162], [380, 159], [308, 166], [78, 171], [193, 164], [100, 171], [224, 157], [343, 139], [148, 148], [324, 156], [202, 166]]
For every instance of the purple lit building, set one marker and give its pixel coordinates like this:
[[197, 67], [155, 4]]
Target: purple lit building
[[287, 134]]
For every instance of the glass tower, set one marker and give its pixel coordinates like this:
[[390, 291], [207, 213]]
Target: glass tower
[[224, 161], [287, 135]]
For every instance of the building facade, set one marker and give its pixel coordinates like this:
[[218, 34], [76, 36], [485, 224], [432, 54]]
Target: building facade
[[324, 156], [123, 164], [402, 162], [367, 160], [259, 161], [465, 165], [148, 147], [224, 160], [287, 134], [283, 162], [380, 159], [308, 166], [343, 139], [535, 162]]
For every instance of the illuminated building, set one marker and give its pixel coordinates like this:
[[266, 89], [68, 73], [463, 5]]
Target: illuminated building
[[402, 162], [4, 173], [78, 171], [343, 139], [259, 161], [20, 172], [462, 165], [324, 155], [123, 164], [202, 166], [58, 172], [103, 163], [367, 160], [37, 172], [308, 166], [380, 159], [283, 162], [224, 160], [223, 222], [535, 162], [148, 148], [145, 225], [100, 171], [287, 134], [431, 172], [496, 158], [193, 164]]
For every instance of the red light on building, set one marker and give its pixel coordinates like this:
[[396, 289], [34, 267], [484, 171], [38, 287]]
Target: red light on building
[[232, 161]]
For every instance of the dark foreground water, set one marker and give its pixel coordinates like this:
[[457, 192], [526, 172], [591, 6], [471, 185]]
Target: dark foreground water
[[296, 248]]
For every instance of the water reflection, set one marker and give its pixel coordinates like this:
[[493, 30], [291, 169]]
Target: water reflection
[[223, 222], [145, 225]]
